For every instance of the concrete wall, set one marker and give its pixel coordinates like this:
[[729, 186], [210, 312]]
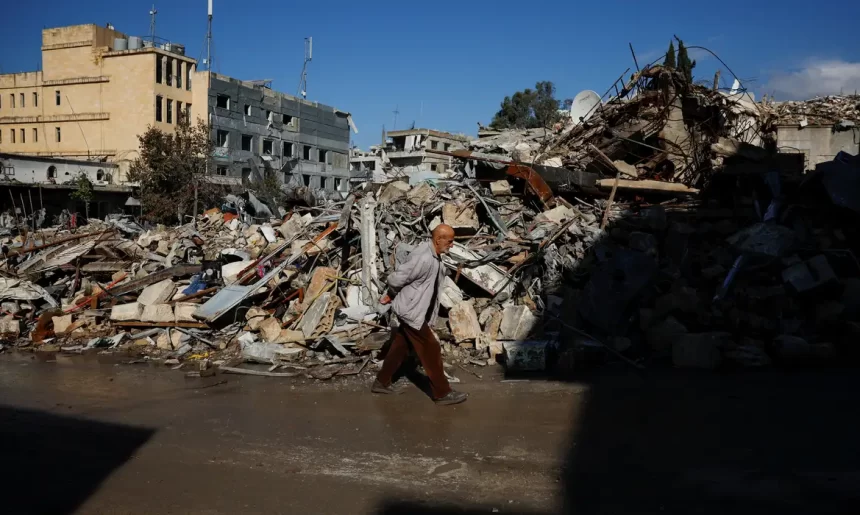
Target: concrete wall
[[28, 169], [819, 144], [313, 125]]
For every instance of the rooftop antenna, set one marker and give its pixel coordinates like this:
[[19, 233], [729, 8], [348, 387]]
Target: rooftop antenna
[[209, 39], [396, 112], [152, 14], [309, 55]]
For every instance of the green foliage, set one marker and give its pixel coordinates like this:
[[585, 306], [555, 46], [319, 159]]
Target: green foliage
[[684, 64], [167, 169], [268, 189], [83, 191], [670, 56], [528, 109]]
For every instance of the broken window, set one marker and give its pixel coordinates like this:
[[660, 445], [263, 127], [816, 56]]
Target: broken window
[[286, 119], [288, 149], [341, 184], [100, 175], [58, 134], [222, 101], [169, 111], [267, 146], [447, 147], [434, 144], [247, 142], [188, 112], [159, 68], [35, 99], [169, 73], [247, 109], [222, 138], [178, 111], [57, 93], [158, 102], [306, 153], [306, 180], [52, 172], [432, 168], [221, 170], [323, 156], [268, 115], [246, 173], [35, 135]]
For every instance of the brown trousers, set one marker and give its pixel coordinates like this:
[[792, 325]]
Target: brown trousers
[[429, 352]]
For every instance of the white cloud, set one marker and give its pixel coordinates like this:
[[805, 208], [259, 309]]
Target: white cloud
[[816, 78]]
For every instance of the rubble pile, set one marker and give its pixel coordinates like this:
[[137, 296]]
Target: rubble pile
[[663, 227], [833, 109]]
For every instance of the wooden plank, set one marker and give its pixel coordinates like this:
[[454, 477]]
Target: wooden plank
[[190, 325], [647, 185]]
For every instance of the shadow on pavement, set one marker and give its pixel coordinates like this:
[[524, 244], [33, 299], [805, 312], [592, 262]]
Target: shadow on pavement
[[53, 463]]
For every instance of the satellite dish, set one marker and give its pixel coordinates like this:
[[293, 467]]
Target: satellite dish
[[583, 105]]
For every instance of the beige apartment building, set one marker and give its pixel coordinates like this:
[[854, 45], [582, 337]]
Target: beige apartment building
[[97, 91]]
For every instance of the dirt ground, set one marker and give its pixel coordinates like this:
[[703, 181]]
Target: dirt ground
[[79, 436]]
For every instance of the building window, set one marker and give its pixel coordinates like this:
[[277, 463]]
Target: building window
[[52, 172], [57, 130], [9, 170], [306, 153], [35, 99], [22, 100], [179, 112], [323, 156], [247, 109], [341, 185], [1, 137], [23, 136], [432, 168], [188, 76], [100, 175], [306, 180], [178, 76], [447, 147], [12, 100], [267, 146], [159, 68], [57, 94], [13, 136], [169, 111], [222, 138], [158, 102], [188, 112], [221, 170], [35, 135], [247, 142], [246, 173], [168, 75], [268, 115], [434, 144], [222, 101], [287, 149]]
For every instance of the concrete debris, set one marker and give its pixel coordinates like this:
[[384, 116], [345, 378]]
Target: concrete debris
[[668, 227]]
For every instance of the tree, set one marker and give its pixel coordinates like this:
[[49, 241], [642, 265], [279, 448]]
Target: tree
[[83, 191], [684, 64], [168, 166], [670, 56], [528, 108]]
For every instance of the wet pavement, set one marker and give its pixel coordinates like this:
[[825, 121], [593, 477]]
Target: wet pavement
[[80, 436]]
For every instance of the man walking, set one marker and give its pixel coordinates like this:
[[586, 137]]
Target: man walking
[[415, 285]]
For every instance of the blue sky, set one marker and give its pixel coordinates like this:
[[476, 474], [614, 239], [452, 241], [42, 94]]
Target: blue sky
[[447, 65]]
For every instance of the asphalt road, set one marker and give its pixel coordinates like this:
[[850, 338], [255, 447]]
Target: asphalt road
[[77, 436]]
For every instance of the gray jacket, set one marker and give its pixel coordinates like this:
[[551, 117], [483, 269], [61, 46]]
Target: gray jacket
[[413, 283]]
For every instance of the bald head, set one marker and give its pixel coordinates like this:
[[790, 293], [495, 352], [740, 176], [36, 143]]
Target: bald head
[[443, 238]]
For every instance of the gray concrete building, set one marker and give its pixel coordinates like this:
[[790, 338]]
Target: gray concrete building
[[818, 143], [257, 130], [407, 151]]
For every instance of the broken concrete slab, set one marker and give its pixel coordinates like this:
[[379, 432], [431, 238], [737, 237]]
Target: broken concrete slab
[[464, 322], [255, 317], [62, 323], [518, 323], [230, 272], [162, 313], [809, 275], [270, 330], [451, 294], [163, 341], [463, 218], [157, 293], [184, 311], [491, 320], [500, 188], [525, 356], [269, 233], [126, 312], [394, 190], [626, 170], [319, 317], [421, 194], [10, 326], [292, 227]]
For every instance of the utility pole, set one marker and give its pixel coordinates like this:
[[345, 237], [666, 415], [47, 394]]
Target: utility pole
[[396, 112], [208, 118], [152, 14]]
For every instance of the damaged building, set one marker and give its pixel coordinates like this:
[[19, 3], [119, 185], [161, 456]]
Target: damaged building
[[257, 130]]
